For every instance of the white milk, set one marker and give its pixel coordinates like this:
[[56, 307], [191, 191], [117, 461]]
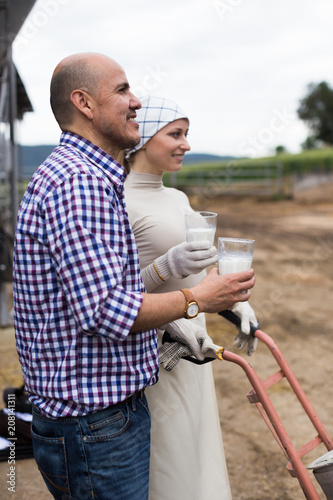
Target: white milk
[[193, 234], [234, 263]]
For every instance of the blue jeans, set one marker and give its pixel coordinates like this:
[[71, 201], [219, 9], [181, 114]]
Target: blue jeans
[[101, 456]]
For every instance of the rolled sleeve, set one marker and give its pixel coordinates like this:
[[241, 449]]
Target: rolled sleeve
[[117, 316]]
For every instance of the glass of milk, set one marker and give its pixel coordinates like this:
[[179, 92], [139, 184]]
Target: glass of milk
[[235, 255], [200, 226]]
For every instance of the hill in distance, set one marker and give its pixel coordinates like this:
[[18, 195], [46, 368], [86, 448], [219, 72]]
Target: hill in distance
[[191, 158], [30, 157]]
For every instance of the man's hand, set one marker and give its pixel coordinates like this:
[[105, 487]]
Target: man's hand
[[217, 293], [214, 293]]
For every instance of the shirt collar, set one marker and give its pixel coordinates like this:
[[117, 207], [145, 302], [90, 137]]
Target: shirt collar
[[96, 155]]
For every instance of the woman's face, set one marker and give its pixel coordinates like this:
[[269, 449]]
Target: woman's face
[[165, 151]]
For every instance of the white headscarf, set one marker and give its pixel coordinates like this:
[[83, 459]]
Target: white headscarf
[[156, 113]]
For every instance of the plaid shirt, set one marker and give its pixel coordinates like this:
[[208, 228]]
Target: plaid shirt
[[77, 286]]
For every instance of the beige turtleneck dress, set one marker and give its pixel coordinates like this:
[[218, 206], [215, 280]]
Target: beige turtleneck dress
[[187, 456]]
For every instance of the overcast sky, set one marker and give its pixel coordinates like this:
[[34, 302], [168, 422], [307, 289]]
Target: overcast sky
[[238, 67]]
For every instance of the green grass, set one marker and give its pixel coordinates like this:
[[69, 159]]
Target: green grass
[[317, 160], [320, 160]]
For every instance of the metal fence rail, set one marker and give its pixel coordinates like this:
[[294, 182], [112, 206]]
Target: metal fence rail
[[262, 179]]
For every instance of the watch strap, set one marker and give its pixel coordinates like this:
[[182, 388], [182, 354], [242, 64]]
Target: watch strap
[[189, 300], [188, 295]]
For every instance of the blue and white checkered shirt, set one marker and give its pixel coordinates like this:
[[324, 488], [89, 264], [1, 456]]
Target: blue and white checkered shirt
[[77, 286]]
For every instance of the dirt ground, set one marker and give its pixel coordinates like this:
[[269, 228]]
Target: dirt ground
[[293, 302]]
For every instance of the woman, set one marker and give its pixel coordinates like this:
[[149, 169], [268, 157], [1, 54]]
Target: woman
[[187, 457]]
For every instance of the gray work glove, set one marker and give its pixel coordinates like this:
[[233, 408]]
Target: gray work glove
[[179, 261], [246, 314], [191, 339]]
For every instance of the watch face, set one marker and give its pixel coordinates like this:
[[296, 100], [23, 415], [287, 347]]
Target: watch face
[[192, 310]]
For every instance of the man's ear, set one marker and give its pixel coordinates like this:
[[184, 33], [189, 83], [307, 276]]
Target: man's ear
[[83, 102]]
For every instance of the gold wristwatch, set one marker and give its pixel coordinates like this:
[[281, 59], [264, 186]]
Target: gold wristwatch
[[192, 306]]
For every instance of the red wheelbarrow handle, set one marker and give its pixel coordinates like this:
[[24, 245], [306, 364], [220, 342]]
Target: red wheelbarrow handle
[[229, 315], [266, 408]]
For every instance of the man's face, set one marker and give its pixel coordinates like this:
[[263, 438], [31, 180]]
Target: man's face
[[114, 113]]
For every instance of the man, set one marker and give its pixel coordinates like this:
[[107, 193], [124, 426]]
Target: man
[[84, 324]]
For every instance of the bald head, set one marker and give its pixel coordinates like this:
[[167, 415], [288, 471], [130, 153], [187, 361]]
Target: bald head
[[91, 97], [79, 71]]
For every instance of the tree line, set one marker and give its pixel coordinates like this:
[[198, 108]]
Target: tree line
[[316, 110]]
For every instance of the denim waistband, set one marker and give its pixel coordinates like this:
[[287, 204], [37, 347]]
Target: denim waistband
[[129, 400], [136, 395]]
